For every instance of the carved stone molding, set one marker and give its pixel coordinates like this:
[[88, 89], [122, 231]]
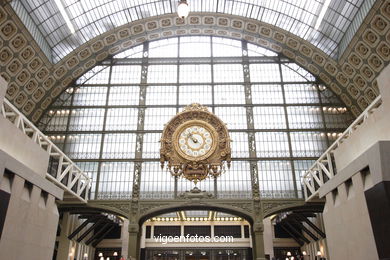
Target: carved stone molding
[[270, 207], [253, 211], [121, 207]]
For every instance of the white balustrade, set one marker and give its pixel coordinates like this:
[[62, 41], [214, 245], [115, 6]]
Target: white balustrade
[[324, 168]]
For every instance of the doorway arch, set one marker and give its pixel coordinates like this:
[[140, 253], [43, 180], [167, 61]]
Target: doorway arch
[[201, 206], [184, 221]]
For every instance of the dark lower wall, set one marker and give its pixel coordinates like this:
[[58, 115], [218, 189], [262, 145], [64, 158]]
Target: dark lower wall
[[4, 201], [378, 203], [357, 209]]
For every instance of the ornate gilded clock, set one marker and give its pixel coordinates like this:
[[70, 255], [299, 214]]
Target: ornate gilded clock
[[195, 144]]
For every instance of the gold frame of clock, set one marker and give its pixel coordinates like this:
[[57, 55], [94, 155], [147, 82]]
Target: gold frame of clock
[[195, 144]]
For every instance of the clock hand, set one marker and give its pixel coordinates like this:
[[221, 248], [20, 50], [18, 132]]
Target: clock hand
[[192, 138]]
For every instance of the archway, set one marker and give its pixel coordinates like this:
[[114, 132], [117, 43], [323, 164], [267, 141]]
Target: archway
[[196, 233], [203, 206]]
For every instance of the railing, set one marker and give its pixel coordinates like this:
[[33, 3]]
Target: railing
[[61, 171], [324, 168]]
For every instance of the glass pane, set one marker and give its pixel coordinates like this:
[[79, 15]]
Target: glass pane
[[272, 144], [156, 183], [304, 117], [276, 179], [267, 94], [195, 94], [83, 146], [162, 74], [151, 145], [116, 180], [86, 120], [337, 117], [236, 182], [293, 73], [195, 73], [121, 119], [58, 140], [122, 74], [301, 93], [229, 94], [264, 72], [90, 96], [254, 50], [119, 146], [223, 47], [234, 117], [228, 73], [135, 52], [308, 144], [163, 48], [97, 75], [161, 95], [195, 47], [239, 144], [127, 95], [155, 118], [58, 120], [269, 118]]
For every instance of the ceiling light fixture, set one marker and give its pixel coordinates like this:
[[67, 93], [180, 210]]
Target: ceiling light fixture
[[65, 15], [322, 14], [183, 9]]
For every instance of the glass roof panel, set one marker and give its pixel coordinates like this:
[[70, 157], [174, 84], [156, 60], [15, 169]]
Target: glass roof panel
[[92, 18], [168, 215], [224, 215], [197, 213]]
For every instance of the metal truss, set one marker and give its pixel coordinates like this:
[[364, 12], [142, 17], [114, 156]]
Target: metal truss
[[62, 171], [324, 168]]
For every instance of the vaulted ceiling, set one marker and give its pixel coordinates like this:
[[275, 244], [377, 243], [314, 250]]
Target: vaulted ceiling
[[35, 81], [90, 19]]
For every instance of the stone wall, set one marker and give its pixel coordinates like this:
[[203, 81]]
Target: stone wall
[[31, 216], [357, 206]]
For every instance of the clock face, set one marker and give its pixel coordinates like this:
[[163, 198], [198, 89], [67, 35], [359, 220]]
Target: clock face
[[195, 141]]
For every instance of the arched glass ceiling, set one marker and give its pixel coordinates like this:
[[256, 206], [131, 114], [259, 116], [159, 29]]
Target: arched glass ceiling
[[91, 18]]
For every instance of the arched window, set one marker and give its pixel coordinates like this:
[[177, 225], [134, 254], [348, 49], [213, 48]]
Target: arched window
[[279, 116]]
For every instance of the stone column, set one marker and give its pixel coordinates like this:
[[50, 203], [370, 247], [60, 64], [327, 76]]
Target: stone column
[[125, 237], [268, 237], [134, 241], [3, 88], [258, 241], [64, 244]]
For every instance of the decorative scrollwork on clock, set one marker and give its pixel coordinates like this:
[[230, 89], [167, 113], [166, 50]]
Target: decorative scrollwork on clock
[[195, 144]]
